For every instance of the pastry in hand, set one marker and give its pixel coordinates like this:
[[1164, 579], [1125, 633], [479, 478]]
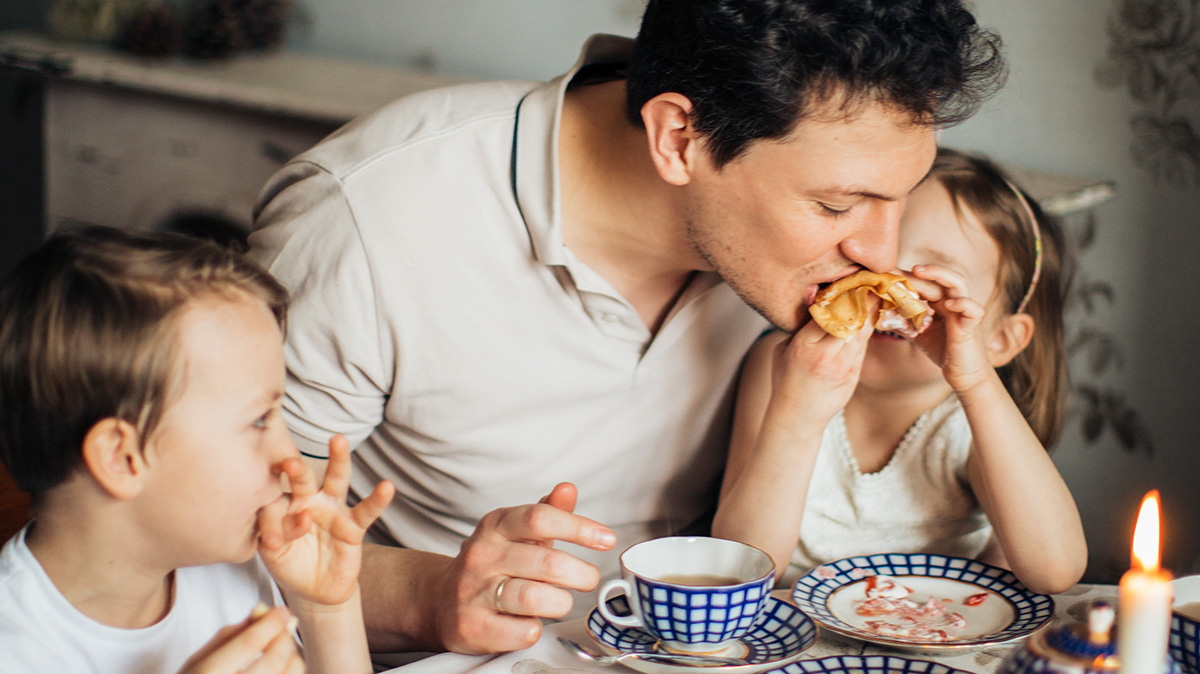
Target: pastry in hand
[[888, 300]]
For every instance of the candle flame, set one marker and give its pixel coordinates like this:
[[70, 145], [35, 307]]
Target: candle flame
[[1146, 534]]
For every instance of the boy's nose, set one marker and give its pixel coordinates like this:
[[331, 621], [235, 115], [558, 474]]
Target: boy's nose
[[876, 245]]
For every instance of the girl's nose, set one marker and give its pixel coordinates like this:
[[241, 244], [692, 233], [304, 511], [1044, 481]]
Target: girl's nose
[[876, 244]]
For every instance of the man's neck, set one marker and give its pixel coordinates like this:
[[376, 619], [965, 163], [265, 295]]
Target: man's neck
[[619, 217], [94, 568]]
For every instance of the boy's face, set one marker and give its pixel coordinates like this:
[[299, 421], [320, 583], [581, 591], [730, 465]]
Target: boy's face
[[214, 459], [808, 209]]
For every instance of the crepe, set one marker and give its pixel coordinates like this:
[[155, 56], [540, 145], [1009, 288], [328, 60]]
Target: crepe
[[844, 306]]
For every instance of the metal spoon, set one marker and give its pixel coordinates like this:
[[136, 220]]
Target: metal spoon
[[686, 660]]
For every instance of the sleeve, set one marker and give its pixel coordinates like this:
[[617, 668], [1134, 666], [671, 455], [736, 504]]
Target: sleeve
[[338, 375]]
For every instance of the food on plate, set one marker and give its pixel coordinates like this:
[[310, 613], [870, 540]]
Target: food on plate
[[892, 612], [845, 305]]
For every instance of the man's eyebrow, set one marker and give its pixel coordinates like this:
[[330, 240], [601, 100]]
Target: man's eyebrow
[[856, 191]]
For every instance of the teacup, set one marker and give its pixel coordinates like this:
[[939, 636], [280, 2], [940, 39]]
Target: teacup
[[693, 593], [1185, 623]]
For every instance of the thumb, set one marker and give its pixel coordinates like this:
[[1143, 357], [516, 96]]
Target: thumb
[[563, 496]]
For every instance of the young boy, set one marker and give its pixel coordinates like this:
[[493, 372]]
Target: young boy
[[140, 383]]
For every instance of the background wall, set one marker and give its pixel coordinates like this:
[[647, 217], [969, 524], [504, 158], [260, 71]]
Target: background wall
[[1054, 116]]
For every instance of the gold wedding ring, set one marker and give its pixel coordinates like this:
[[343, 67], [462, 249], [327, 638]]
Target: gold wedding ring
[[499, 592]]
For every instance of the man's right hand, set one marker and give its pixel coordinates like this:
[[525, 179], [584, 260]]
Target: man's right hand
[[492, 596], [508, 574]]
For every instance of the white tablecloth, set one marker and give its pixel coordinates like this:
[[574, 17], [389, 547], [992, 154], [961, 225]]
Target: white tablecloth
[[548, 656]]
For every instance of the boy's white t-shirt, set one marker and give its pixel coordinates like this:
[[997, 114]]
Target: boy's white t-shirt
[[40, 631]]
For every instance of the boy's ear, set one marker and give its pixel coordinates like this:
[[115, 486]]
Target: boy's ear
[[1013, 335], [674, 146], [112, 453]]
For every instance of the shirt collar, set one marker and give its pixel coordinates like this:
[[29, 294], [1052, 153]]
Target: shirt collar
[[535, 149]]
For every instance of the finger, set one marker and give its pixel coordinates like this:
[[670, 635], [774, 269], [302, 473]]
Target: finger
[[248, 644], [810, 333], [544, 522], [503, 633], [337, 475], [300, 476], [296, 525], [270, 523], [369, 509], [277, 657], [564, 496], [952, 283], [524, 597], [546, 565]]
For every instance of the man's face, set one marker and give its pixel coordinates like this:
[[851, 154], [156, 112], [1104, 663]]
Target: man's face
[[788, 215]]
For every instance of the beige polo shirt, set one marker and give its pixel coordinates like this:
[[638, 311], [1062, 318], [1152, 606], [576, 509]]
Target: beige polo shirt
[[439, 322]]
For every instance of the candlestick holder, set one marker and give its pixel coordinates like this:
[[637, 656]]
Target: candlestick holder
[[1071, 647]]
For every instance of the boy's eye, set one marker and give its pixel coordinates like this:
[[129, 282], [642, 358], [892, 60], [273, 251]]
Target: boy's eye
[[262, 421]]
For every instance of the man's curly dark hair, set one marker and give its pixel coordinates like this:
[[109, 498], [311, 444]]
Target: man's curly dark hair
[[754, 68]]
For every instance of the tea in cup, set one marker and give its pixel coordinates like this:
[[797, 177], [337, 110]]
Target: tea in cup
[[693, 593]]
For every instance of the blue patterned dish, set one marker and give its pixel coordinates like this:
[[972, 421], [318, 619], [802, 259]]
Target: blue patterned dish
[[866, 664], [1005, 610], [1184, 644], [782, 633]]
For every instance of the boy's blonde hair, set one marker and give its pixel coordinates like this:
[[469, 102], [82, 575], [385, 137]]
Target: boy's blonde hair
[[88, 331], [1036, 378]]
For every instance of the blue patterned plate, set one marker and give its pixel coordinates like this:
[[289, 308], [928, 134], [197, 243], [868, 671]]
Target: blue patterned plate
[[866, 664], [975, 604], [781, 634]]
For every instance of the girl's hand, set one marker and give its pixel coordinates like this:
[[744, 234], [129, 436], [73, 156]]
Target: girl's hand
[[262, 645], [310, 541], [956, 340], [814, 375]]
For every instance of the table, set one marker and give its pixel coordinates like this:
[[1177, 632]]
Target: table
[[547, 656]]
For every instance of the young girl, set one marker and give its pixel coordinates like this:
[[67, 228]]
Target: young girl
[[884, 444]]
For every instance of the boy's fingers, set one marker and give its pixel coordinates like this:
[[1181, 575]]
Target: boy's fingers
[[250, 643], [369, 509], [270, 523], [300, 477], [278, 657], [296, 525], [337, 473]]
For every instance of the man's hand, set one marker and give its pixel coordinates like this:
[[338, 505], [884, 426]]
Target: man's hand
[[491, 597], [257, 645]]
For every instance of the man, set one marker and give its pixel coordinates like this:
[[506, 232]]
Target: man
[[500, 286]]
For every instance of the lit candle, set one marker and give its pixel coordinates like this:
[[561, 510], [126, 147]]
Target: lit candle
[[1144, 614]]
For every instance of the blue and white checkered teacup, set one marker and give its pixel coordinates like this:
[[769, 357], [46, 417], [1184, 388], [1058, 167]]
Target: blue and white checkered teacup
[[695, 594], [1184, 642]]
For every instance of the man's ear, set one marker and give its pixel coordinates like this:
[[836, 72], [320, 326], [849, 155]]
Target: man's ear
[[674, 145], [113, 455], [1013, 335]]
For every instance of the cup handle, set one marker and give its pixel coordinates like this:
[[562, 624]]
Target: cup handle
[[623, 620]]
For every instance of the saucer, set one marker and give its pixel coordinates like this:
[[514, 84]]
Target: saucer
[[867, 664], [781, 634], [995, 606]]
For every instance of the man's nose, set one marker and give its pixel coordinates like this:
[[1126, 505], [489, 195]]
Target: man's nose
[[876, 245]]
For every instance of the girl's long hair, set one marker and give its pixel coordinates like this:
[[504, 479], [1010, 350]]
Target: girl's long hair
[[1036, 377]]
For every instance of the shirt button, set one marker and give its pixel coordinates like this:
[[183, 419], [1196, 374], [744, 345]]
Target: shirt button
[[611, 318]]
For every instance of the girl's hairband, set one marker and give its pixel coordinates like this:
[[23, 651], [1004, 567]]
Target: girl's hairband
[[1037, 246]]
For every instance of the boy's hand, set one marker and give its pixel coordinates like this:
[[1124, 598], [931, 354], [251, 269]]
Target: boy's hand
[[257, 645], [310, 541]]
